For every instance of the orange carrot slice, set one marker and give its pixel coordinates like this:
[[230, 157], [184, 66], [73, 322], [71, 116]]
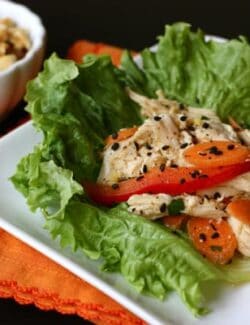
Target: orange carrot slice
[[175, 222], [214, 239], [121, 135], [80, 48], [240, 209], [216, 153], [114, 52]]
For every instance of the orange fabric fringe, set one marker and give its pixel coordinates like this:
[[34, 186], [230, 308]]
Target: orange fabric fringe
[[31, 278]]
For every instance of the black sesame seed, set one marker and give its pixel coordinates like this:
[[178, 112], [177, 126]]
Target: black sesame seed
[[215, 151], [166, 147], [115, 146], [149, 154], [195, 173], [205, 125], [114, 135], [162, 167], [183, 118], [148, 146], [182, 106], [216, 195], [215, 235], [204, 117], [144, 168], [202, 237], [230, 146], [157, 118], [174, 165], [136, 145], [139, 178], [115, 186], [182, 181], [163, 207], [183, 145]]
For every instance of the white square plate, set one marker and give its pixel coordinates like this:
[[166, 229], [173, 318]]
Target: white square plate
[[231, 306]]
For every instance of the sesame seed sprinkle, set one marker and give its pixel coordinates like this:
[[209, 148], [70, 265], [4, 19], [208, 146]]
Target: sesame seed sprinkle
[[115, 146]]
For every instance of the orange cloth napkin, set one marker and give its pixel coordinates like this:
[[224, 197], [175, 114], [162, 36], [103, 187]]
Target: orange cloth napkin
[[31, 278]]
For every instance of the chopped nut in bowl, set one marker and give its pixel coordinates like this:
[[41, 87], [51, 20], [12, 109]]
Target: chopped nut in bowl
[[14, 43], [22, 43]]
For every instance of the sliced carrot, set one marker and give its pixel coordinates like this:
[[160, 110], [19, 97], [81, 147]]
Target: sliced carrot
[[240, 209], [114, 52], [80, 48], [214, 239], [175, 222], [121, 135], [216, 153]]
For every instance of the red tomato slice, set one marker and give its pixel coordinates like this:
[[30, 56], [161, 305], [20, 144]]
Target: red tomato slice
[[173, 181]]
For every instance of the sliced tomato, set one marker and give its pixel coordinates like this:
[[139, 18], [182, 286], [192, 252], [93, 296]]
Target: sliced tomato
[[173, 181]]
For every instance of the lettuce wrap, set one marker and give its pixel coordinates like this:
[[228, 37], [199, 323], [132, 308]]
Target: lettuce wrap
[[76, 106]]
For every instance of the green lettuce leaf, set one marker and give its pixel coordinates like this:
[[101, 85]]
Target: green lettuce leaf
[[76, 113], [195, 72], [238, 271], [45, 185], [152, 259]]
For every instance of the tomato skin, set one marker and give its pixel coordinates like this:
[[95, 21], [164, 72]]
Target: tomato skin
[[172, 181]]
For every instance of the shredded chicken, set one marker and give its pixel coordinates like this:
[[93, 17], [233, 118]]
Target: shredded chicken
[[151, 107], [237, 187], [150, 206], [240, 183], [245, 136], [156, 142], [194, 117], [242, 234], [169, 129]]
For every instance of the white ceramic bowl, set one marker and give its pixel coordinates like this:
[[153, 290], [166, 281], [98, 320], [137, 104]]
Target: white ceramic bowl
[[14, 79]]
